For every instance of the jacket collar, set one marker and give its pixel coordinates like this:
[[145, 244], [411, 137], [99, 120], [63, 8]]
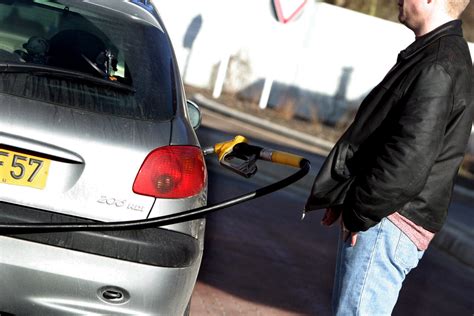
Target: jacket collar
[[450, 28]]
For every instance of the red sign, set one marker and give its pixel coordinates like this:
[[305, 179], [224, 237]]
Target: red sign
[[288, 10]]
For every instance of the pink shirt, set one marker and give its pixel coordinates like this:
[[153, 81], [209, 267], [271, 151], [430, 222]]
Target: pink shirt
[[417, 234]]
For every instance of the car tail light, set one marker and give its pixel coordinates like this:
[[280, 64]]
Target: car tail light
[[172, 172]]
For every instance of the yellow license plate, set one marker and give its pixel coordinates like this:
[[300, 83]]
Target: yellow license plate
[[21, 169]]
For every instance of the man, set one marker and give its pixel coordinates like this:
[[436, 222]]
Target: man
[[391, 174]]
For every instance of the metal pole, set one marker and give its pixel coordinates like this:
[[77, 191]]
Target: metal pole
[[267, 87], [221, 74]]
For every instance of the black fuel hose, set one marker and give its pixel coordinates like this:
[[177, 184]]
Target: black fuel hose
[[22, 228]]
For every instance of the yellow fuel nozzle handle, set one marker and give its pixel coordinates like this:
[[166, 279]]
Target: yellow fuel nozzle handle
[[282, 158], [240, 157], [222, 149]]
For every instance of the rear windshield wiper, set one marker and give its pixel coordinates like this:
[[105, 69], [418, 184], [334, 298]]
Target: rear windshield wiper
[[42, 70]]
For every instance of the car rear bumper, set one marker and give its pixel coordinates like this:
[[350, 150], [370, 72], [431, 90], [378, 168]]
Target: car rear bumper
[[150, 271]]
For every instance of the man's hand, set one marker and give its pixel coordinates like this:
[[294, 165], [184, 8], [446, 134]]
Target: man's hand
[[331, 216], [347, 234]]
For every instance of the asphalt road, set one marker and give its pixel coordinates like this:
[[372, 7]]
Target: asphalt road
[[261, 259]]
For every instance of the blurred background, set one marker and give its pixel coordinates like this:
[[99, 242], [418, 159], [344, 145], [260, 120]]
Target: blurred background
[[313, 67]]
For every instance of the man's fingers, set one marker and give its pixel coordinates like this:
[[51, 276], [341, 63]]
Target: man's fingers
[[346, 234], [353, 239]]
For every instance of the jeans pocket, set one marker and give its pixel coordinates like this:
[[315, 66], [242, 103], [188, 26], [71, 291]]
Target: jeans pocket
[[407, 254]]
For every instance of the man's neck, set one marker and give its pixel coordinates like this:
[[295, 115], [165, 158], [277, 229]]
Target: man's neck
[[435, 21]]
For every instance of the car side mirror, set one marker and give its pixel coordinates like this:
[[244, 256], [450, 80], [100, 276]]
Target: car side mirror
[[194, 114]]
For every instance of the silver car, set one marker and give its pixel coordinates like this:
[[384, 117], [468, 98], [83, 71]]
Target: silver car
[[95, 126]]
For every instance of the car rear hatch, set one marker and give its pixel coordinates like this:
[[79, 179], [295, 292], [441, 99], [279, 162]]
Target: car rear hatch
[[80, 118]]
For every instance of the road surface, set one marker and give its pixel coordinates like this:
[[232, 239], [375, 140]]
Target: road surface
[[260, 258]]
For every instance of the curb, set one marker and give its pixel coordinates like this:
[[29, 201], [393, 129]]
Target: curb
[[453, 239]]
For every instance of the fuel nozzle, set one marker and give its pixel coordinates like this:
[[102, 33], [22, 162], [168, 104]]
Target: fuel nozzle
[[241, 157], [235, 156]]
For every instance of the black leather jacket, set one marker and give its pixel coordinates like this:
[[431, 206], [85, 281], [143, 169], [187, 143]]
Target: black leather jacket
[[404, 148]]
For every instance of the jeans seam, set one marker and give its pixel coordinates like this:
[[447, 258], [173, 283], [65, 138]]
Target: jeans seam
[[338, 281], [372, 254], [396, 252]]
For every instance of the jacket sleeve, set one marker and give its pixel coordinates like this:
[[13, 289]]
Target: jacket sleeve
[[406, 153]]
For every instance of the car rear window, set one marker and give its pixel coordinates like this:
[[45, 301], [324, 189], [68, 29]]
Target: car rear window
[[83, 55]]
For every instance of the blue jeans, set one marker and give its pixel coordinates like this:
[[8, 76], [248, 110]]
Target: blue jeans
[[369, 275]]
